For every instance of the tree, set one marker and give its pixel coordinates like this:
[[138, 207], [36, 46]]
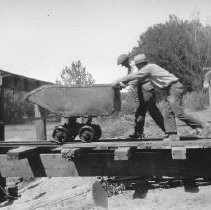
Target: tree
[[75, 75], [16, 108], [181, 47]]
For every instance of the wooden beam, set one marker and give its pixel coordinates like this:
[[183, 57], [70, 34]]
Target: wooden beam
[[122, 153], [21, 153], [94, 163], [178, 153], [40, 123], [201, 143], [105, 144]]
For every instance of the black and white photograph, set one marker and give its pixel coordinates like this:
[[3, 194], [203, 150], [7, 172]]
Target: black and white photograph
[[105, 104]]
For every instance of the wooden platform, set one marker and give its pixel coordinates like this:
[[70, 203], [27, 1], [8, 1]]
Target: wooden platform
[[153, 143], [186, 158]]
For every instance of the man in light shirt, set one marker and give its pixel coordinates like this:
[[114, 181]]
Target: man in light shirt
[[207, 79], [163, 79], [147, 102]]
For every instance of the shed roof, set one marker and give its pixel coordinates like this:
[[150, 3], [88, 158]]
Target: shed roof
[[19, 82]]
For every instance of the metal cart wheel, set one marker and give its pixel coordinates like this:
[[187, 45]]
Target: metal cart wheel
[[86, 134], [98, 131], [60, 135]]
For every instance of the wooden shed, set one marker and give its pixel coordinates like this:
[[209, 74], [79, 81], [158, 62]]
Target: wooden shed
[[17, 82]]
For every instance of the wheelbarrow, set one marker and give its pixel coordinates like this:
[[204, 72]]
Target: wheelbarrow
[[72, 102]]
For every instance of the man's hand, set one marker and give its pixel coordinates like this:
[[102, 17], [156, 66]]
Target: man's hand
[[119, 85]]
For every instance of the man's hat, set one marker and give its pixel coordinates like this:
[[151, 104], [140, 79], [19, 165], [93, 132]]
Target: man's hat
[[141, 58], [122, 58]]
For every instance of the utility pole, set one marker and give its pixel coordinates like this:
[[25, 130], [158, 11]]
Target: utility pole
[[2, 135]]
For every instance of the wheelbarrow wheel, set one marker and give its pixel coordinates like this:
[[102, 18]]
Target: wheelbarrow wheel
[[86, 134], [98, 131], [60, 135]]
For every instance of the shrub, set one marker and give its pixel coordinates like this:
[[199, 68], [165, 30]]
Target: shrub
[[196, 101], [115, 126]]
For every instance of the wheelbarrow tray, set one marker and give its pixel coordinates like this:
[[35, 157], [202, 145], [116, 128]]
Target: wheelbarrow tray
[[77, 101]]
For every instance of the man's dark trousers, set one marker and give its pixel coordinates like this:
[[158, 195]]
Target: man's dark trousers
[[147, 102]]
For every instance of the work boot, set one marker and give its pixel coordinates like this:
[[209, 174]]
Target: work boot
[[172, 137], [137, 136]]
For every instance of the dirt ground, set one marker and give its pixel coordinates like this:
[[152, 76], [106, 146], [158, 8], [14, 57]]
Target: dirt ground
[[175, 199], [76, 193], [43, 191]]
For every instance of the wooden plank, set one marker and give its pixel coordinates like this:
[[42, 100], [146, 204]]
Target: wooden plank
[[122, 153], [178, 153], [202, 143], [21, 153], [94, 163], [40, 123], [104, 144], [43, 165]]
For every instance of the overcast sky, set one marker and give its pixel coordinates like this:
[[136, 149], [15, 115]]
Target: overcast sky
[[39, 38]]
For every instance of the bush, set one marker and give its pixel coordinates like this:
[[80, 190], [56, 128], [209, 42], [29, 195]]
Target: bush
[[16, 109], [196, 101], [115, 126], [182, 47]]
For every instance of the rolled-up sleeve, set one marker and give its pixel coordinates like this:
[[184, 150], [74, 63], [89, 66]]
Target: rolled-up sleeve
[[133, 78], [133, 83], [157, 76]]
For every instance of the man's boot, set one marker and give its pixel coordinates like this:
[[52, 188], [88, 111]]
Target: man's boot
[[137, 136], [172, 137]]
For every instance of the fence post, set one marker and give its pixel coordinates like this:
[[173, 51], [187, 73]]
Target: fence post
[[2, 134]]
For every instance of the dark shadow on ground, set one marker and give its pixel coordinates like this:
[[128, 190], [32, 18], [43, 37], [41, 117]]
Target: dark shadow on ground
[[141, 186]]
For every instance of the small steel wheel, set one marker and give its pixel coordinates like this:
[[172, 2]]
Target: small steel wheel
[[60, 135], [86, 134], [98, 131]]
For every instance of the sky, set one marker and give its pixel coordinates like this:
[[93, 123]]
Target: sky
[[40, 38]]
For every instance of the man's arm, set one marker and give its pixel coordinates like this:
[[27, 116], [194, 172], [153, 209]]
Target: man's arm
[[133, 83], [137, 76]]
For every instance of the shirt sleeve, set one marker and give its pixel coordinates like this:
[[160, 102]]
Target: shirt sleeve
[[137, 76], [133, 83]]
